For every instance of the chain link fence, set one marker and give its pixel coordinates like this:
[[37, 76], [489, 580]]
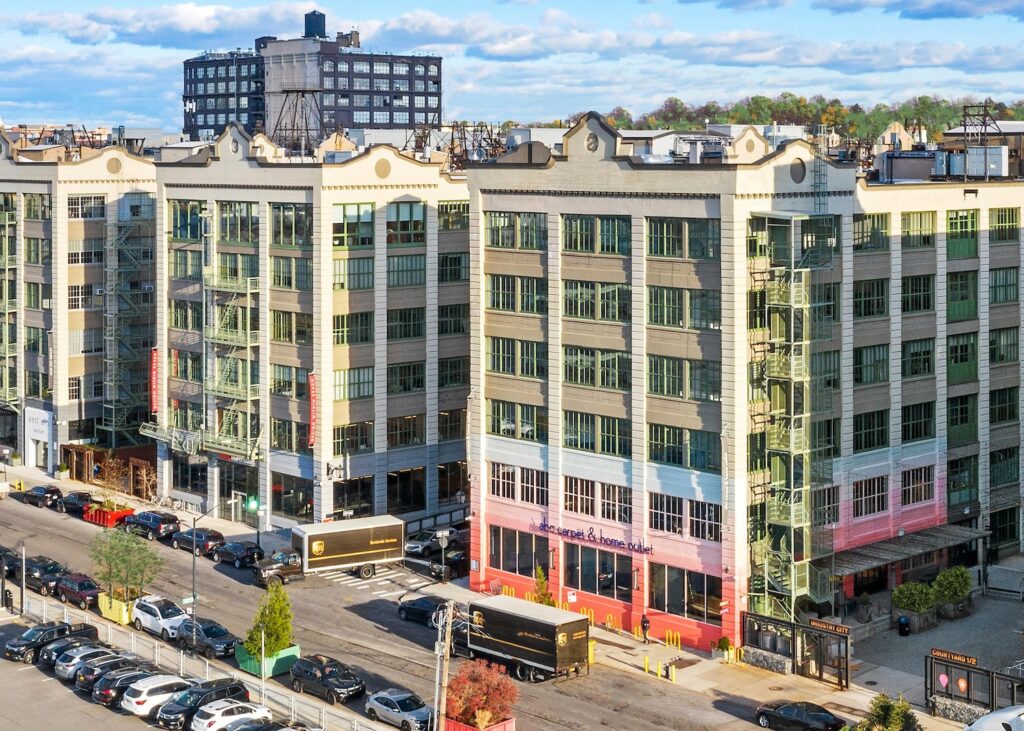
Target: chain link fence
[[170, 659]]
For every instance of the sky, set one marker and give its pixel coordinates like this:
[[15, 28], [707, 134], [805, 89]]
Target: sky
[[119, 62]]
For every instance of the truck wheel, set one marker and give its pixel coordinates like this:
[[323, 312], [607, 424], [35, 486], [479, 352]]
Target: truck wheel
[[150, 536], [44, 591], [30, 657], [83, 604], [330, 698], [537, 675], [275, 580], [367, 572], [297, 686], [63, 598], [522, 672]]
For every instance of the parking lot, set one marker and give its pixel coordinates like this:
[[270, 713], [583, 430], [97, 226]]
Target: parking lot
[[30, 693]]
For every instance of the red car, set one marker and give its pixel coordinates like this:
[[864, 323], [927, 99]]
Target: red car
[[78, 589]]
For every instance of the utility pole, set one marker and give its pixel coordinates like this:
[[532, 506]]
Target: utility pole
[[449, 609]]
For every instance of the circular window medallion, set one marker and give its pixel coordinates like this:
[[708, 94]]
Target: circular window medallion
[[750, 145], [382, 168], [591, 142], [234, 145], [113, 166], [798, 171]]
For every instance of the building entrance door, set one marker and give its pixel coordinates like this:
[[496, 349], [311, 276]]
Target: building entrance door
[[824, 652]]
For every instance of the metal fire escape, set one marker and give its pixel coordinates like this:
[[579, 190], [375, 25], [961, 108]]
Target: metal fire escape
[[231, 347], [786, 546], [8, 303], [128, 319]]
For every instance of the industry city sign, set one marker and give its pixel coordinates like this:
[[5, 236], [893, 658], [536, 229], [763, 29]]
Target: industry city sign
[[590, 535]]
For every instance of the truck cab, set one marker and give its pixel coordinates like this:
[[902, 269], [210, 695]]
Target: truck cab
[[281, 567]]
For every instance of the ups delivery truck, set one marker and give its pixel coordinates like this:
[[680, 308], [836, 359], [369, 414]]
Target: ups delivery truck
[[358, 545], [535, 641]]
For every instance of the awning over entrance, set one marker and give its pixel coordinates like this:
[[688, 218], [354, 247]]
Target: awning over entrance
[[882, 553]]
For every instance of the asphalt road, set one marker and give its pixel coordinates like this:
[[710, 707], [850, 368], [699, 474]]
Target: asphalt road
[[357, 623]]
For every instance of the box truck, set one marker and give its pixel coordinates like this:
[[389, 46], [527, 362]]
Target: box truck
[[358, 545], [535, 641]]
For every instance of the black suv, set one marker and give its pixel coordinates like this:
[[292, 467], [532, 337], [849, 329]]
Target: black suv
[[75, 502], [211, 638], [109, 689], [152, 524], [26, 648], [326, 677], [41, 573], [42, 496], [239, 553], [201, 541], [178, 712], [92, 671], [49, 654]]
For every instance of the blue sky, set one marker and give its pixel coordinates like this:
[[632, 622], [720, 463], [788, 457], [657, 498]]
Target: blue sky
[[119, 62]]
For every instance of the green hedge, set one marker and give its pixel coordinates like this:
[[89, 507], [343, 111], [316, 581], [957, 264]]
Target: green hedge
[[952, 585], [913, 597]]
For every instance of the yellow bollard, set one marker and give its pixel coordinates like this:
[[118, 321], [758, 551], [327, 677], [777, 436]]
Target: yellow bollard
[[591, 650], [659, 669], [647, 663], [637, 634], [672, 672]]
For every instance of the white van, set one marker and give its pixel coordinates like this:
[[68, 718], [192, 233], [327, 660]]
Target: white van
[[143, 697]]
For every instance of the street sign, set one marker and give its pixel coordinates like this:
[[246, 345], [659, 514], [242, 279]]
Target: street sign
[[442, 541], [187, 600], [570, 597]]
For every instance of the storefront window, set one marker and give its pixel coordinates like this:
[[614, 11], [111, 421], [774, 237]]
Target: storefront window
[[407, 491], [292, 497], [685, 593], [188, 477], [452, 483], [517, 552], [354, 495], [598, 572]]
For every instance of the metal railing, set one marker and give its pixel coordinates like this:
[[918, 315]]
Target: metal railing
[[235, 390], [175, 661], [243, 285], [229, 336], [239, 446]]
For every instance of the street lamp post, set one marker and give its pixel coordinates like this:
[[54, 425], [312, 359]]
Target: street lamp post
[[21, 606], [195, 598]]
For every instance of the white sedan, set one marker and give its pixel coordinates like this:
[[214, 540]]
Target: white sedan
[[227, 714], [1005, 719]]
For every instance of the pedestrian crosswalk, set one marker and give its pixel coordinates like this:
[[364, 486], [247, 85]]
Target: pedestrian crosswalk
[[387, 583]]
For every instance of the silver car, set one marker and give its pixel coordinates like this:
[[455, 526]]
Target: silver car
[[427, 542], [68, 664], [400, 708]]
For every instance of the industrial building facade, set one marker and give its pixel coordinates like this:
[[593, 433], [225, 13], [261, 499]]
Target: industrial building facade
[[76, 247], [313, 351], [751, 384], [313, 83]]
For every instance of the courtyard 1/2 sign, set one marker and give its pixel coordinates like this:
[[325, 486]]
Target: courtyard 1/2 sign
[[954, 657], [592, 536]]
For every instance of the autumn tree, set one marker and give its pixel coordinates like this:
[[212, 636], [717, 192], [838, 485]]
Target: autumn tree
[[481, 694], [115, 473]]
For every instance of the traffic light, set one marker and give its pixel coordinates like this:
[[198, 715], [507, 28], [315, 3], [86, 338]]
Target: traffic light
[[252, 504]]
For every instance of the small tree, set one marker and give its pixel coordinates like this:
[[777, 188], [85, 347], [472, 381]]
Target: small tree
[[540, 587], [125, 564], [480, 694], [886, 714], [147, 482], [115, 473], [274, 616], [913, 597]]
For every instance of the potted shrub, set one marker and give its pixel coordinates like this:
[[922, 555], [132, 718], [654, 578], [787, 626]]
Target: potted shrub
[[952, 589], [722, 648], [63, 472], [916, 601], [480, 696], [886, 714], [125, 565], [16, 459], [268, 648], [863, 607]]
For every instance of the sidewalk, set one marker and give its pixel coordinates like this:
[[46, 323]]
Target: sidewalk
[[269, 539]]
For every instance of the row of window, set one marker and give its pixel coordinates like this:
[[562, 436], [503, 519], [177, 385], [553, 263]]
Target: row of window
[[690, 238], [871, 296], [357, 438], [872, 231], [386, 68]]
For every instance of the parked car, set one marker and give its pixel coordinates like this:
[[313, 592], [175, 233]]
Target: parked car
[[26, 647], [90, 672], [1010, 718], [41, 573], [420, 609], [48, 654], [201, 541], [211, 639], [179, 711], [78, 589], [152, 524], [75, 502], [158, 615], [143, 697], [9, 558], [797, 716], [456, 564], [227, 713], [399, 708], [70, 662], [427, 542], [239, 553], [42, 496], [111, 687], [326, 677]]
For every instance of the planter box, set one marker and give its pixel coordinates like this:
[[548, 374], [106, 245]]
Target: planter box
[[114, 609], [453, 725], [273, 665], [959, 610], [106, 518], [919, 621], [63, 474]]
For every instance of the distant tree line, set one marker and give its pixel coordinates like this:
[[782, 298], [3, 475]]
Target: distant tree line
[[855, 121]]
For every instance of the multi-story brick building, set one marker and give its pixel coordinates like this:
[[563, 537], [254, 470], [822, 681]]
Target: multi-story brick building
[[76, 311], [313, 349], [712, 384]]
